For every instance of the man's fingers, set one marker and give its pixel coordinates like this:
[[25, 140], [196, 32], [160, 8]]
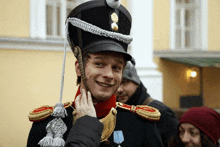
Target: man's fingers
[[91, 106], [90, 103], [84, 105], [77, 101], [84, 98]]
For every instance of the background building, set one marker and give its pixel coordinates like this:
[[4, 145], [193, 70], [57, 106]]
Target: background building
[[186, 39], [171, 39]]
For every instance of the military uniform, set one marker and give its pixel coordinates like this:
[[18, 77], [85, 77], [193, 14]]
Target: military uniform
[[136, 126], [93, 27], [135, 132]]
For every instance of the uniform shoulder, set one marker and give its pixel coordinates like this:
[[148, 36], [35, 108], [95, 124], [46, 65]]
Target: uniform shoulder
[[144, 111], [44, 112]]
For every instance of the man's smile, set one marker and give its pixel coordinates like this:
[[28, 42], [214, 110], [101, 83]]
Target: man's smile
[[104, 84]]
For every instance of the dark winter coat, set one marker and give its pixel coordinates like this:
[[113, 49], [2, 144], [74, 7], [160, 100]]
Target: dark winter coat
[[167, 125]]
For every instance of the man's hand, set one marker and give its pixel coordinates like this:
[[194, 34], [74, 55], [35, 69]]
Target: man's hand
[[84, 105]]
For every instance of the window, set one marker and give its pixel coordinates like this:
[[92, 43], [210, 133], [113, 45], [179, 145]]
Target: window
[[47, 17], [53, 18], [188, 29], [54, 15]]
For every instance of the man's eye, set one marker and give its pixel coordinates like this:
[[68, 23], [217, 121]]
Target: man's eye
[[99, 64], [122, 82], [117, 68]]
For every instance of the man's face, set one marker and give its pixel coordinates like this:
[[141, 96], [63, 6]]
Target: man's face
[[104, 73], [190, 135], [126, 89]]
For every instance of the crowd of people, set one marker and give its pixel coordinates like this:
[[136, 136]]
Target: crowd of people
[[197, 127], [112, 106]]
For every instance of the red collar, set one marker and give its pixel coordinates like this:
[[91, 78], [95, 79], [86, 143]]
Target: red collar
[[102, 108]]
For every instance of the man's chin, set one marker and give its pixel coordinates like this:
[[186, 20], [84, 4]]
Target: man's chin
[[189, 145], [122, 101], [102, 97]]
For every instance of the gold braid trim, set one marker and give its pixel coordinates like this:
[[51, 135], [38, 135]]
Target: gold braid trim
[[147, 112], [41, 113], [44, 112], [149, 115]]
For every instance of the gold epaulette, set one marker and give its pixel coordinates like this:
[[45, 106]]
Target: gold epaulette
[[147, 112], [44, 112]]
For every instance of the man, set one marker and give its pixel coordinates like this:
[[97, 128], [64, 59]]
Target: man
[[98, 33], [133, 92]]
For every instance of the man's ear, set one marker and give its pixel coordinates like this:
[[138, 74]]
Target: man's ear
[[77, 68]]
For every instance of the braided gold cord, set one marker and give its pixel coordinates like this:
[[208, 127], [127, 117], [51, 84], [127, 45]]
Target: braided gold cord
[[78, 55]]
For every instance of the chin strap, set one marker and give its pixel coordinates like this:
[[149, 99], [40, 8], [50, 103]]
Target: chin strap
[[78, 54]]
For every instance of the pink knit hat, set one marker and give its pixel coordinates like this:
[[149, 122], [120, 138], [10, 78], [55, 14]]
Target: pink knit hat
[[205, 119]]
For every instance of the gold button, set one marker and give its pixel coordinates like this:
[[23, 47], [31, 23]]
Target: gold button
[[114, 111], [114, 17], [114, 26]]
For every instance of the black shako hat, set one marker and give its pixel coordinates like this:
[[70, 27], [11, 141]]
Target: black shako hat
[[100, 26]]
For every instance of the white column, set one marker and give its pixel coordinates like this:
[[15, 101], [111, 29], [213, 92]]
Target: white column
[[142, 47], [38, 18]]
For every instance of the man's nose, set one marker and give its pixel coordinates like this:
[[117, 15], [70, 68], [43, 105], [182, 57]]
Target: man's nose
[[119, 90], [108, 72]]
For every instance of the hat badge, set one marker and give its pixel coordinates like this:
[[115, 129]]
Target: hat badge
[[114, 18]]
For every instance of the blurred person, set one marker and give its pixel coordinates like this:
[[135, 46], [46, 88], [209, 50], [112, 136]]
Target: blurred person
[[98, 34], [132, 92], [198, 127]]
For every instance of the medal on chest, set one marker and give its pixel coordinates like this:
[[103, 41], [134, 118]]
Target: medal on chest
[[118, 137]]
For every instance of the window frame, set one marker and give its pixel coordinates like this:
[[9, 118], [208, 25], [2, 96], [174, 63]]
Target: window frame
[[200, 42], [38, 21]]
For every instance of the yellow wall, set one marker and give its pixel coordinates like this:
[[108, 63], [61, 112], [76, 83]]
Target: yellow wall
[[161, 24], [211, 87], [14, 18], [30, 79], [175, 81], [124, 3], [213, 25]]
